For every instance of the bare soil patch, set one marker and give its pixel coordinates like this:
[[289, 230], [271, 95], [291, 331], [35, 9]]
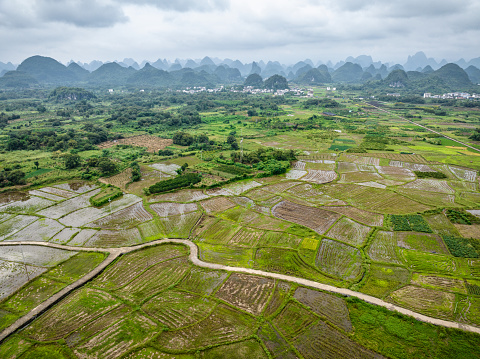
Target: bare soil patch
[[152, 143]]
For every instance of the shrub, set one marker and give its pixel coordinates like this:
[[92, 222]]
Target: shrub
[[107, 194], [460, 247], [180, 181], [411, 222], [438, 175]]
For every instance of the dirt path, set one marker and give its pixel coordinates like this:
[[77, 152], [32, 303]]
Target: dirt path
[[116, 252], [422, 126]]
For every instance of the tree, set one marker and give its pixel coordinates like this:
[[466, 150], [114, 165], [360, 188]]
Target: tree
[[72, 161], [106, 165], [254, 80], [36, 164], [276, 82]]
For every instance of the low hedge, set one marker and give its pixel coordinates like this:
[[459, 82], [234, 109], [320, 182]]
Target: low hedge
[[108, 193], [180, 181]]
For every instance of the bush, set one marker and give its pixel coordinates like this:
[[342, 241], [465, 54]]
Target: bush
[[136, 174], [411, 222], [438, 175], [460, 247], [461, 217], [107, 194], [181, 181]]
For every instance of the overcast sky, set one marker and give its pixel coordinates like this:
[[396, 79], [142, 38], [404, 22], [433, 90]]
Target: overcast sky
[[288, 31]]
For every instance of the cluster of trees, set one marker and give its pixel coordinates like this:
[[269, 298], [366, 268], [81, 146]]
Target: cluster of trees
[[321, 102], [180, 181], [11, 178], [52, 140], [104, 164], [263, 155], [71, 94], [4, 118]]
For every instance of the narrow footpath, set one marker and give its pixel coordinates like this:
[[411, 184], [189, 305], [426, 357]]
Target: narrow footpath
[[114, 253]]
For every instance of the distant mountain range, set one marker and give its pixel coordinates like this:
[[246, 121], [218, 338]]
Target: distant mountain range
[[46, 71]]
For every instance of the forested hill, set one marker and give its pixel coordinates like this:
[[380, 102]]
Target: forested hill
[[39, 71]]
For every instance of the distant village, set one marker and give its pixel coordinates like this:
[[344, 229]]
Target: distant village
[[450, 95]]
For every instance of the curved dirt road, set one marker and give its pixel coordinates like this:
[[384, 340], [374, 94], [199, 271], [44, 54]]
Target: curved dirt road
[[116, 252]]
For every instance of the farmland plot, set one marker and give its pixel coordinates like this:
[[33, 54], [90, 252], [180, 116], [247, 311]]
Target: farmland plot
[[345, 167], [319, 177], [250, 348], [58, 192], [180, 196], [218, 204], [98, 325], [398, 157], [429, 198], [68, 206], [280, 186], [151, 230], [42, 230], [115, 238], [467, 310], [441, 225], [65, 235], [14, 275], [374, 199], [311, 194], [270, 202], [295, 174], [279, 297], [349, 231], [321, 338], [152, 143], [46, 195], [178, 309], [396, 173], [15, 224], [315, 218], [427, 301], [259, 194], [240, 187], [35, 255], [154, 280], [372, 184], [464, 174], [223, 325], [333, 308], [383, 247], [320, 165], [202, 281], [359, 177], [166, 209], [293, 320], [76, 310], [170, 169], [383, 279], [119, 180], [232, 256], [31, 205], [128, 217], [298, 165], [424, 242], [82, 237], [279, 239], [430, 185], [362, 160], [219, 232], [274, 342], [247, 292], [432, 263], [359, 215], [339, 259], [412, 166], [245, 237], [131, 265], [439, 283], [119, 338], [77, 186], [5, 216], [180, 226]]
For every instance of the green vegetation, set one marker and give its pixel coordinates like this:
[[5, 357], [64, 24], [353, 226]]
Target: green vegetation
[[461, 217], [437, 175], [106, 195], [461, 247], [414, 222], [180, 181]]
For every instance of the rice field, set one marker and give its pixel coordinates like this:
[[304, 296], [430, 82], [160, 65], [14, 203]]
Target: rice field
[[430, 185], [180, 196], [339, 259], [123, 219], [218, 204], [424, 242], [348, 231], [464, 174], [317, 219], [319, 176], [249, 293], [383, 248], [166, 209]]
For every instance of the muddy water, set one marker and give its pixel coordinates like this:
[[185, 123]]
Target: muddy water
[[8, 197]]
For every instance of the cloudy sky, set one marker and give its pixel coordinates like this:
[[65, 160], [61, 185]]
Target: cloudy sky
[[288, 31]]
